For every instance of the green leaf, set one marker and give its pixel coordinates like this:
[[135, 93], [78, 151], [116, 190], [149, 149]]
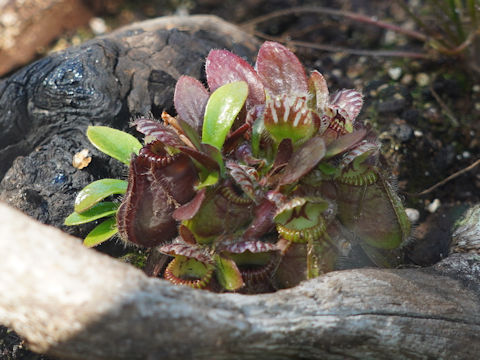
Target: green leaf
[[96, 191], [302, 213], [101, 233], [210, 179], [222, 108], [327, 169], [97, 211], [115, 143], [228, 274], [257, 131]]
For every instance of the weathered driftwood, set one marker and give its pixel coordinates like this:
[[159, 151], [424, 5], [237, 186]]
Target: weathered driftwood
[[75, 303], [45, 108]]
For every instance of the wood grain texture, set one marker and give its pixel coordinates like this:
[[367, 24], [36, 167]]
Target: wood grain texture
[[75, 303]]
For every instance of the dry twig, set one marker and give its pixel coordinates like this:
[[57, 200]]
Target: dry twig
[[250, 26], [447, 179]]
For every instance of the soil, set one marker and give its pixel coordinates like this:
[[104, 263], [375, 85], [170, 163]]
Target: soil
[[425, 112]]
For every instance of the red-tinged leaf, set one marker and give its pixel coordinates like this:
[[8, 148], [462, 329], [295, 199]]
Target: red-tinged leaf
[[280, 70], [289, 117], [359, 153], [262, 222], [186, 235], [244, 154], [317, 86], [223, 67], [159, 131], [284, 153], [201, 157], [254, 246], [188, 211], [244, 177], [190, 99], [345, 142], [303, 160], [350, 101], [234, 136], [179, 247], [145, 215]]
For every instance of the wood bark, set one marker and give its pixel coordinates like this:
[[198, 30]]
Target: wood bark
[[45, 108], [74, 303]]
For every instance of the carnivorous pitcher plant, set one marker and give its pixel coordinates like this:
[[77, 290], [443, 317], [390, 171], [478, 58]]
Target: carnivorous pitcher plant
[[260, 181]]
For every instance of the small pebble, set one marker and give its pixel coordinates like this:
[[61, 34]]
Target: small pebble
[[390, 37], [418, 133], [337, 72], [407, 79], [476, 88], [98, 26], [422, 79], [412, 214], [433, 206], [466, 155], [395, 73], [81, 159]]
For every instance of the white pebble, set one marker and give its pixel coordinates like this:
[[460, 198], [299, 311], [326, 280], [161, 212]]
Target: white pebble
[[395, 73], [407, 79], [422, 79], [337, 72], [433, 206], [412, 214], [98, 26]]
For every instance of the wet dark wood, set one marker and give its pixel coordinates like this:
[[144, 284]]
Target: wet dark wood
[[45, 108]]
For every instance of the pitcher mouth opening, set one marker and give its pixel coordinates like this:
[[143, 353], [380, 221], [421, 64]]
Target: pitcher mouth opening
[[189, 272]]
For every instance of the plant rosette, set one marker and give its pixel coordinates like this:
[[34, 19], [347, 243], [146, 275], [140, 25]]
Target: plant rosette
[[257, 183]]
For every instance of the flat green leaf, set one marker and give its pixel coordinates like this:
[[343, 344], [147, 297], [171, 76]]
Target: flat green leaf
[[222, 108], [210, 179], [228, 274], [101, 233], [96, 191], [327, 169], [97, 211], [115, 143]]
